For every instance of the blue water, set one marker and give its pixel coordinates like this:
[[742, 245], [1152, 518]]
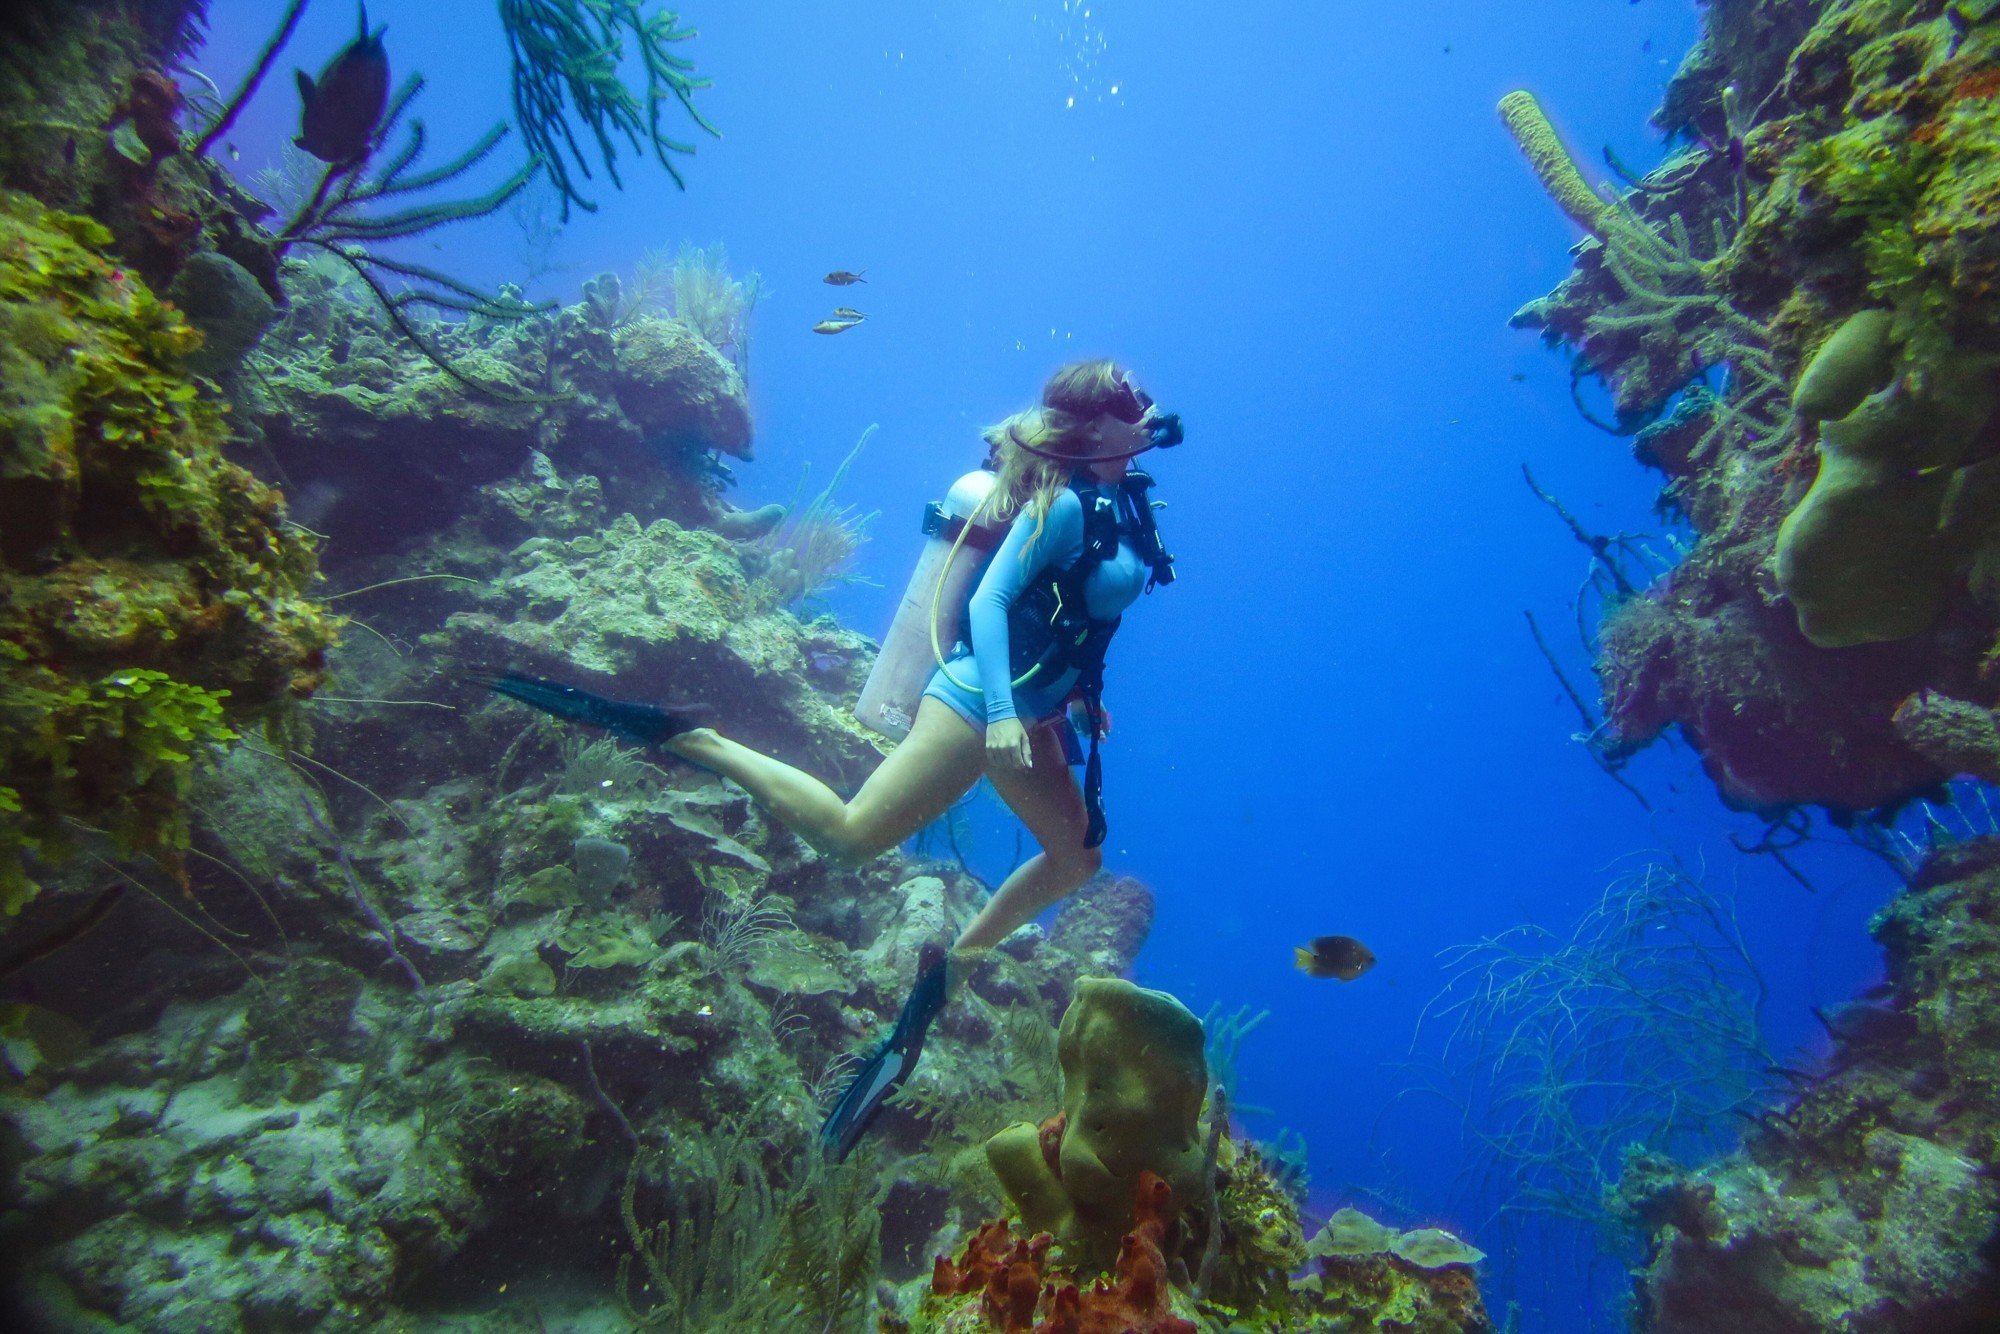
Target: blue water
[[1305, 228]]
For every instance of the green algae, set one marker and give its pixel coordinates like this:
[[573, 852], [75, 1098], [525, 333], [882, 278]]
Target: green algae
[[157, 604]]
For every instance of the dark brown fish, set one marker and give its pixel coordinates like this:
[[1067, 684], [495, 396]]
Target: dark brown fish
[[842, 278], [834, 326], [848, 313], [341, 110], [1343, 957]]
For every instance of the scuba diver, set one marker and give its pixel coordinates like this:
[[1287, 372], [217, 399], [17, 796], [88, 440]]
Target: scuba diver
[[1079, 546]]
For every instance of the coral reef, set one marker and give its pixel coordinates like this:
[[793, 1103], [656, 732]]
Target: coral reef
[[1368, 1277], [1867, 1202], [394, 1004], [1791, 314], [388, 445], [155, 604], [662, 610], [1134, 1077]]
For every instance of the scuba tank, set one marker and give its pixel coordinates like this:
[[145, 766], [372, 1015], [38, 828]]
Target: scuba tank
[[959, 541]]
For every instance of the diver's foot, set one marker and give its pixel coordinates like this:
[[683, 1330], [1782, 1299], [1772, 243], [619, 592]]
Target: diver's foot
[[884, 1072], [642, 724]]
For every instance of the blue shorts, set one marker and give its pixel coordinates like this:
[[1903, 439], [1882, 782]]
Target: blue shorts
[[1035, 708]]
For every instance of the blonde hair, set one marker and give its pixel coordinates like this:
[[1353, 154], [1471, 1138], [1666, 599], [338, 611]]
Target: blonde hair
[[1074, 397]]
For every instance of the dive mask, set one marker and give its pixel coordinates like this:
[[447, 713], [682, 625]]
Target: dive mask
[[1135, 407]]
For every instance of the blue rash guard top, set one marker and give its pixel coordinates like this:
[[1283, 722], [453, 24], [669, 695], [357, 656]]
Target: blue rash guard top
[[982, 691]]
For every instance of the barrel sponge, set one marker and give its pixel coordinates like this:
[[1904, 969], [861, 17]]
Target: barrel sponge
[[1861, 557], [1134, 1078], [1552, 163], [1853, 363]]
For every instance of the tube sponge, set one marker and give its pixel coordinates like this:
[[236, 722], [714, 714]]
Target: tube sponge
[[1134, 1076], [1554, 167]]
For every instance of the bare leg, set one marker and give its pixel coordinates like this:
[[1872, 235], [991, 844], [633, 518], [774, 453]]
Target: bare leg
[[1046, 799], [935, 765]]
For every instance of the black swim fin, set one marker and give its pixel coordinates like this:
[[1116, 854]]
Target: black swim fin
[[884, 1072], [641, 724]]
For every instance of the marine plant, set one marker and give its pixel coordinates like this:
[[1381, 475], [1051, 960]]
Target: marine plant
[[567, 56], [1639, 1027], [739, 920], [1225, 1034], [816, 544], [712, 303], [737, 1245], [600, 767]]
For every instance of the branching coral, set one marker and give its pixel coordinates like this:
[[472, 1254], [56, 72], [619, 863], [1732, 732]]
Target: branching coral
[[567, 55], [336, 219], [1670, 319]]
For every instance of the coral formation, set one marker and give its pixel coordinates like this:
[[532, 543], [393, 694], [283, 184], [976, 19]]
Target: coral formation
[[1865, 1203], [155, 603], [1833, 205], [1551, 161], [393, 445], [1134, 1077]]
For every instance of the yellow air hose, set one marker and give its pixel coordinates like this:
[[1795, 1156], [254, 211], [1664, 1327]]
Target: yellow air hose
[[937, 599]]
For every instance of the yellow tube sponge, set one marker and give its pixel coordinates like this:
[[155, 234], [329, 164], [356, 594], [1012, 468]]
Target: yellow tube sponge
[[1554, 167]]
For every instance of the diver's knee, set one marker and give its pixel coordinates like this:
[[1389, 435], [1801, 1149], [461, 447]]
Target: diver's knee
[[850, 851], [1078, 866]]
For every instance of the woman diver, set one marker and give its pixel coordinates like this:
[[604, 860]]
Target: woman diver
[[1079, 548]]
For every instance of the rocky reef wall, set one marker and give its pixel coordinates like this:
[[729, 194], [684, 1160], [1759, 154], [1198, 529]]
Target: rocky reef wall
[[1866, 1201], [1793, 315]]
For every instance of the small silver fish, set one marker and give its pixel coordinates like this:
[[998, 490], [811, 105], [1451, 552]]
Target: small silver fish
[[834, 326]]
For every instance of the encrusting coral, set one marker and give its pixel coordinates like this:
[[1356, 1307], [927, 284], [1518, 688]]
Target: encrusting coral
[[1013, 1283], [155, 602]]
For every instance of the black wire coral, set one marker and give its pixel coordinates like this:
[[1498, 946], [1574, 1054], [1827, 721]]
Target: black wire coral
[[567, 55]]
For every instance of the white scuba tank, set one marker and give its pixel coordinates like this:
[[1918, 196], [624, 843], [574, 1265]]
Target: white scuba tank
[[938, 588]]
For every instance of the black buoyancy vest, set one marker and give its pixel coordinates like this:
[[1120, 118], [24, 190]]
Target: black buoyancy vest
[[1050, 629], [1049, 625]]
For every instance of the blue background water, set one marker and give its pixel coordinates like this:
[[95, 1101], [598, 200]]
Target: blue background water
[[1305, 227]]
